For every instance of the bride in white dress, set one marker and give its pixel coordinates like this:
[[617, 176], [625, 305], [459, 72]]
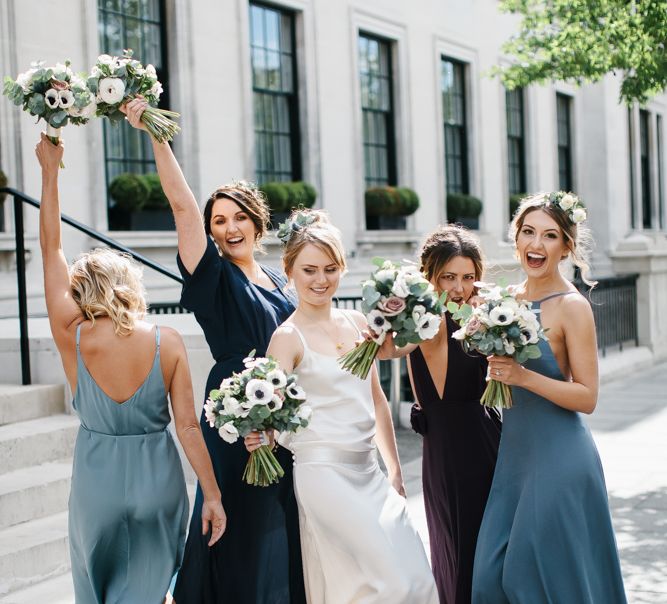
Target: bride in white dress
[[358, 543]]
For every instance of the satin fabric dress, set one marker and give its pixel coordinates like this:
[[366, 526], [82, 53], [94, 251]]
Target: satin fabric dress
[[358, 543], [128, 507], [461, 439], [546, 535], [258, 559]]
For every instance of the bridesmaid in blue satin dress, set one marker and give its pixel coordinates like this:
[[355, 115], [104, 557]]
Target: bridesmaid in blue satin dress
[[128, 504], [547, 535], [238, 304]]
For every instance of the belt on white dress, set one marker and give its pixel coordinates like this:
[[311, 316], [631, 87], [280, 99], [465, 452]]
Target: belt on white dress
[[333, 455]]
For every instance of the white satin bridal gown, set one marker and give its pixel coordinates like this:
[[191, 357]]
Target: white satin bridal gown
[[358, 543]]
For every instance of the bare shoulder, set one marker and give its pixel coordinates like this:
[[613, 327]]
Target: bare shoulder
[[169, 335], [172, 346], [357, 317], [285, 335], [576, 307]]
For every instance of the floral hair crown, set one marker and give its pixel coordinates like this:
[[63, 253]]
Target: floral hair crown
[[568, 203], [294, 224]]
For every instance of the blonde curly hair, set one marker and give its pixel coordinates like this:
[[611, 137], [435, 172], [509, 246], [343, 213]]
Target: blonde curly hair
[[106, 283]]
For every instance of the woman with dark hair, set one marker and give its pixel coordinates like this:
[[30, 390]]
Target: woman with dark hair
[[460, 435], [238, 303], [547, 535]]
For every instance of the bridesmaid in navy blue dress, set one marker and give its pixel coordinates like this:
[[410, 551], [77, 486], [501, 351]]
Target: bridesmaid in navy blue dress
[[238, 303], [547, 534]]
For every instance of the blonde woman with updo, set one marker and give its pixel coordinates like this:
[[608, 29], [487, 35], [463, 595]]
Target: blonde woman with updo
[[547, 535], [358, 542], [238, 303], [128, 506]]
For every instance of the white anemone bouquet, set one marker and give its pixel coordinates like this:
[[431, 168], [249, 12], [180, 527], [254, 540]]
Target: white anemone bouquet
[[55, 94], [396, 298], [501, 325], [117, 80], [261, 397]]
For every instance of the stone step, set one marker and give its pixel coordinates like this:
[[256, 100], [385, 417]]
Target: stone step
[[33, 551], [34, 492], [37, 441], [21, 403], [58, 590]]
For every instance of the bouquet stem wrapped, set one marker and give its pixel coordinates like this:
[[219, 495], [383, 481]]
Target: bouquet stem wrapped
[[261, 397], [396, 298]]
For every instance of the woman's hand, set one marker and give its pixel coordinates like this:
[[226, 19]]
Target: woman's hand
[[387, 349], [133, 111], [255, 440], [396, 481], [506, 370], [213, 518], [49, 155]]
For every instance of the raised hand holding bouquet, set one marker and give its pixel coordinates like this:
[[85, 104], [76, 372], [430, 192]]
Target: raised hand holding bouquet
[[55, 94], [117, 80], [261, 397], [501, 325], [396, 298]]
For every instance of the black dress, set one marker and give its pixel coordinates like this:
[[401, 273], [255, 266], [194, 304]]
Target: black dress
[[258, 559], [461, 439]]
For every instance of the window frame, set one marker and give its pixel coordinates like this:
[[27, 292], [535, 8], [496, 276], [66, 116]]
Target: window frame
[[565, 100], [520, 140], [461, 130]]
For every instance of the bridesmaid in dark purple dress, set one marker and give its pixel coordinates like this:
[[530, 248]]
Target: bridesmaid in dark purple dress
[[460, 435]]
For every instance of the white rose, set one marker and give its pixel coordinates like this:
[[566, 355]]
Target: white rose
[[232, 406], [304, 412], [579, 215], [156, 90], [52, 98], [566, 202], [105, 59], [259, 392], [150, 71], [400, 287], [501, 315], [65, 99], [459, 334], [228, 432], [112, 90], [209, 412], [25, 79], [509, 347], [418, 311], [60, 67], [384, 275]]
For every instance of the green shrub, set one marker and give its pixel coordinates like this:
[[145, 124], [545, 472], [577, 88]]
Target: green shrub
[[130, 191], [157, 200], [277, 196], [311, 194], [382, 201], [460, 205], [515, 200], [409, 201], [3, 183]]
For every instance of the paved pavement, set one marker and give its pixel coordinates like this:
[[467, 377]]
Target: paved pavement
[[630, 429]]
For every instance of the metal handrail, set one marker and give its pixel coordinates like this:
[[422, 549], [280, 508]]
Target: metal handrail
[[21, 198]]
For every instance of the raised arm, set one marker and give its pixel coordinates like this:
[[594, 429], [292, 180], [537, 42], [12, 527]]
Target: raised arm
[[189, 225], [63, 311], [190, 436]]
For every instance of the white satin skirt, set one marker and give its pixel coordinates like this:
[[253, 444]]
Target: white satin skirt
[[358, 543]]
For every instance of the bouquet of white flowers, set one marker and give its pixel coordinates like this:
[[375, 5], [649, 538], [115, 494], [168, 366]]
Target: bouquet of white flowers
[[117, 80], [55, 94], [261, 397], [396, 298], [501, 325]]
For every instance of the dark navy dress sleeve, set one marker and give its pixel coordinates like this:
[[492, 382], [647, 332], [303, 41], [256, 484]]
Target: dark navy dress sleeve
[[199, 293]]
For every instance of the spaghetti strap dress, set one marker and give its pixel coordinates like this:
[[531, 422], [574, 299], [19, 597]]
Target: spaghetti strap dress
[[358, 542], [547, 534], [460, 447], [258, 559], [128, 506]]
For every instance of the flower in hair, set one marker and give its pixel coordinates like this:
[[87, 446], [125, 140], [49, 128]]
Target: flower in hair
[[570, 204], [294, 224]]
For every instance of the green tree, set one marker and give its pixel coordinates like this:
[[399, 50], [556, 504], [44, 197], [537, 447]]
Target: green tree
[[583, 40]]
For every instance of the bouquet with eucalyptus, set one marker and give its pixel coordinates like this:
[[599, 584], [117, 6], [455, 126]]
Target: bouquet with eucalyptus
[[503, 325], [52, 93], [396, 298], [261, 397], [117, 80]]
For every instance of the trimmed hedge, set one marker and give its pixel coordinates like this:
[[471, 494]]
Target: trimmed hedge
[[391, 201], [130, 191], [157, 200], [463, 206], [515, 200], [284, 196]]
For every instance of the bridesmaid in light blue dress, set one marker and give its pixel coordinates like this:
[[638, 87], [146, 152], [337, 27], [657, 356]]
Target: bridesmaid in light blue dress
[[547, 535], [128, 505]]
